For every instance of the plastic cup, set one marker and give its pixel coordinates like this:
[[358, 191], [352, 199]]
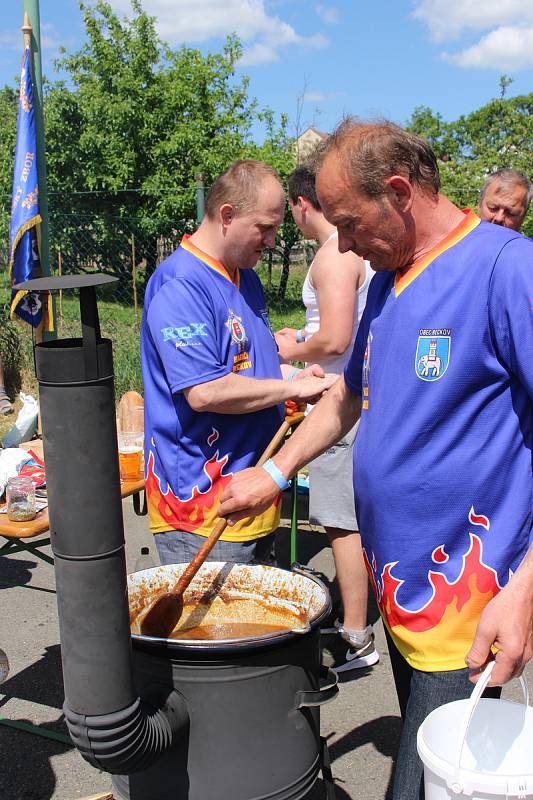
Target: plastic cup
[[130, 455], [131, 417]]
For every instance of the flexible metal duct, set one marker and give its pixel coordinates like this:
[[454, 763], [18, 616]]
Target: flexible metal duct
[[113, 728]]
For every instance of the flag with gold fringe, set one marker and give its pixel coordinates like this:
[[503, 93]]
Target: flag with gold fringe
[[24, 231]]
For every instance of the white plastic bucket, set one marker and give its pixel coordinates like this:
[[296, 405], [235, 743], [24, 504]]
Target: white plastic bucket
[[478, 749]]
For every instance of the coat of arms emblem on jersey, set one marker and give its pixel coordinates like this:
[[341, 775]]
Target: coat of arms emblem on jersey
[[433, 353], [236, 329]]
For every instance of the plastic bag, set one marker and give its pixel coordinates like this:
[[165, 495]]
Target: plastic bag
[[25, 424], [11, 461]]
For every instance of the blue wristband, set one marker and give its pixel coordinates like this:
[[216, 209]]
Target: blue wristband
[[300, 336], [293, 373], [276, 474]]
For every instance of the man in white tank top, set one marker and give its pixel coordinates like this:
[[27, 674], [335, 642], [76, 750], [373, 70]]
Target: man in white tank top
[[334, 294]]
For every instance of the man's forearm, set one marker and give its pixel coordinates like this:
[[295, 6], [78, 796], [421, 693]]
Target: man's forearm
[[332, 417], [251, 491], [236, 394], [523, 576], [316, 348]]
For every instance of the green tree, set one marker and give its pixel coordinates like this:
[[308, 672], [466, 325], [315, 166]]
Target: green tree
[[8, 127], [505, 82], [499, 134], [206, 118], [433, 128], [148, 117], [277, 150], [130, 128]]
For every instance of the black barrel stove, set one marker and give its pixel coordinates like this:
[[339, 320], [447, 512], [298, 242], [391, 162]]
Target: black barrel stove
[[168, 722]]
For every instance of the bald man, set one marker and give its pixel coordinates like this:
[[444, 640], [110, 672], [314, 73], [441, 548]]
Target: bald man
[[213, 387]]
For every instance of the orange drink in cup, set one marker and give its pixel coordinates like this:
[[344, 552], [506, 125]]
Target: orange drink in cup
[[130, 455]]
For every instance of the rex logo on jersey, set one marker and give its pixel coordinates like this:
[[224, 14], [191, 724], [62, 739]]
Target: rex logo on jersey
[[433, 353]]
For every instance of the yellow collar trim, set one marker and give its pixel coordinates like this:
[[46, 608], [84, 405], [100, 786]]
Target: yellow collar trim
[[218, 266], [467, 225]]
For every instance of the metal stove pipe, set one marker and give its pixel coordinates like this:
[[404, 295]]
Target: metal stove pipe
[[114, 729]]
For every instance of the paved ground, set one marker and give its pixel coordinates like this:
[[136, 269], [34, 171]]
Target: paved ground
[[361, 725]]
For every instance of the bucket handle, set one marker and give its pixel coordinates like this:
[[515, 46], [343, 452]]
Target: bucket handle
[[307, 572], [300, 631], [457, 783], [327, 691]]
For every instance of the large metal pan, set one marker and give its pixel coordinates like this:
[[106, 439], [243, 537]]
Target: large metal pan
[[297, 594]]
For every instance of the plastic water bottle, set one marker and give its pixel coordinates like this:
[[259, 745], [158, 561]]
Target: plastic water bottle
[[144, 561]]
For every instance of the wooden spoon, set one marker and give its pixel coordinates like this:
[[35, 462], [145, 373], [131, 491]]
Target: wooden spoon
[[163, 613]]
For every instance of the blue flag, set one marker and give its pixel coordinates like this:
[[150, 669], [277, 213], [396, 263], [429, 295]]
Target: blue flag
[[24, 231]]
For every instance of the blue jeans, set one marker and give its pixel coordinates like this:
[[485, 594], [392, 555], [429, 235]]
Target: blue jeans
[[419, 693], [175, 547]]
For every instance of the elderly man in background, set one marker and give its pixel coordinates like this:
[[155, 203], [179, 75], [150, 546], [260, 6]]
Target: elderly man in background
[[505, 197], [441, 376], [214, 390]]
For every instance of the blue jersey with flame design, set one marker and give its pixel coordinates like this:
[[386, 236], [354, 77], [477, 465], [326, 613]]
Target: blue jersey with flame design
[[199, 325], [443, 363]]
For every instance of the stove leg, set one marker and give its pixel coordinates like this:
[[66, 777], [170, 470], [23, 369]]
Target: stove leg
[[327, 774]]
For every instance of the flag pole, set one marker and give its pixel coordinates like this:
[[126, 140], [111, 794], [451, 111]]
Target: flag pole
[[31, 30], [26, 31]]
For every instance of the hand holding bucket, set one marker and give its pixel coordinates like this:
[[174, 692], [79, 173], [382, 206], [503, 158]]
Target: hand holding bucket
[[491, 754]]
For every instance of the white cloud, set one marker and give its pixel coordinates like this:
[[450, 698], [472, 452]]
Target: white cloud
[[13, 39], [507, 44], [50, 39], [316, 96], [327, 14], [508, 48], [447, 19], [197, 21], [259, 54]]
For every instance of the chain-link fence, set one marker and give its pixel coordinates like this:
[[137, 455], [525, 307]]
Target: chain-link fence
[[128, 249], [116, 246], [119, 247]]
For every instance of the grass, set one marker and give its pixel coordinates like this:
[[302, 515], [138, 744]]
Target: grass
[[117, 322], [289, 312]]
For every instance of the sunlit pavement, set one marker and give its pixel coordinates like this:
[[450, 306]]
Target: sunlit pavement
[[361, 725]]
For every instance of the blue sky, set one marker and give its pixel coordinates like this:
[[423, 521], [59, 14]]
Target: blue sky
[[367, 57]]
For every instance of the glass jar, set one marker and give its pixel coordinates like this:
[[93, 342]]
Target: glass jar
[[20, 497]]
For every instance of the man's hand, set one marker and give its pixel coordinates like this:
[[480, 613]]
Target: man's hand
[[506, 623], [252, 491], [288, 333], [312, 369], [248, 494], [309, 388], [286, 343]]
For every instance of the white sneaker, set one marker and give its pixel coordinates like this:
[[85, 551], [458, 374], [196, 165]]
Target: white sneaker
[[361, 651]]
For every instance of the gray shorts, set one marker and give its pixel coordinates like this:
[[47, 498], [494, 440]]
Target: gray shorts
[[176, 547], [331, 500]]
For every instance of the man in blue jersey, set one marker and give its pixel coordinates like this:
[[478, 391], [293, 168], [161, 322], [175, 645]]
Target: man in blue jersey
[[441, 377], [213, 388]]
